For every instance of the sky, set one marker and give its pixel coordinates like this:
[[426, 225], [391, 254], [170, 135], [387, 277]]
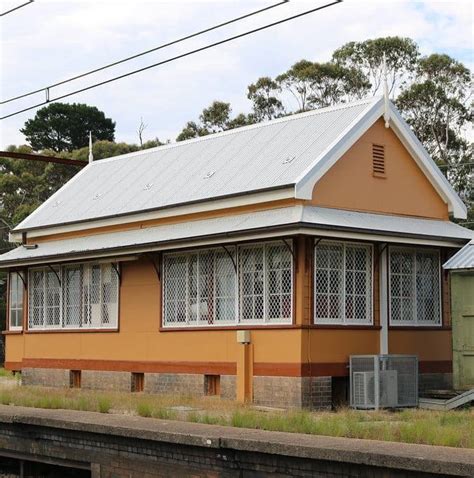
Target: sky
[[51, 40]]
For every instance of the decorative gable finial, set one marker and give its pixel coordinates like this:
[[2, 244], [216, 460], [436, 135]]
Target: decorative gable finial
[[386, 114], [91, 156]]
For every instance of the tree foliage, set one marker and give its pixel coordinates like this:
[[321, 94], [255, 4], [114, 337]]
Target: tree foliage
[[65, 127], [367, 56], [213, 119], [437, 108], [264, 97]]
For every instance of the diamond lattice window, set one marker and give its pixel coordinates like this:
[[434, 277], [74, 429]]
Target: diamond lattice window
[[73, 296], [203, 287], [342, 283], [199, 287], [414, 287], [15, 301], [266, 283]]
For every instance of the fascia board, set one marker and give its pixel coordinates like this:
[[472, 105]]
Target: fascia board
[[427, 165]]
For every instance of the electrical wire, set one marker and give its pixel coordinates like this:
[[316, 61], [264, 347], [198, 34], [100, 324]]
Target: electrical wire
[[160, 47], [169, 60], [16, 8]]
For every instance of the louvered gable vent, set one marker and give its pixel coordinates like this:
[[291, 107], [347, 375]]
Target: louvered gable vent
[[378, 160]]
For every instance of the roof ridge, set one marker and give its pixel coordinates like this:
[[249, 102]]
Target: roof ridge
[[261, 124]]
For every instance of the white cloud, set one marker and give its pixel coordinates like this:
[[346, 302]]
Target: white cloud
[[52, 39]]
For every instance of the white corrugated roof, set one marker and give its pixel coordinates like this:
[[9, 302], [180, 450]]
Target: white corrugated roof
[[262, 222], [463, 259], [254, 158]]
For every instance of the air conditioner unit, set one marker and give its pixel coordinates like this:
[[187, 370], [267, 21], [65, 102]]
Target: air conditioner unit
[[388, 381], [363, 390]]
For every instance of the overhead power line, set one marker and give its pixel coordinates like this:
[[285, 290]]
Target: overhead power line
[[177, 57], [151, 50], [16, 8]]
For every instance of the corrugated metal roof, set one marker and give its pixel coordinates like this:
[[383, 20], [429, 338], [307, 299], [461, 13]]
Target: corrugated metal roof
[[264, 222], [253, 158], [463, 259]]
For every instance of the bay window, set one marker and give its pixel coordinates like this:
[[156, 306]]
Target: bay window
[[73, 296], [250, 283]]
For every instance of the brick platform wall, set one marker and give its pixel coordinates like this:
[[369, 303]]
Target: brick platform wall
[[117, 446]]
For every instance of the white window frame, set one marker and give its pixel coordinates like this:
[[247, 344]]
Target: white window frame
[[415, 322], [238, 321], [370, 295], [266, 320], [19, 286], [198, 322], [60, 270]]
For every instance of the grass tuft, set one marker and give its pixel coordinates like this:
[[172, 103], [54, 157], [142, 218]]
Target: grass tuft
[[453, 428]]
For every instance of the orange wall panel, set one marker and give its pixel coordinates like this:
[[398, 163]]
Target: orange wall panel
[[335, 345], [427, 344], [405, 190]]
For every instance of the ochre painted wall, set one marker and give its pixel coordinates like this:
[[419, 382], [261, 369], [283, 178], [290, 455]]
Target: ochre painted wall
[[431, 345], [405, 190], [284, 351], [140, 339]]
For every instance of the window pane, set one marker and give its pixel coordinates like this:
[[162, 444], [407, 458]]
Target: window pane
[[225, 282], [427, 287], [402, 290], [36, 299], [199, 287], [72, 296], [175, 289], [328, 282], [109, 299], [358, 280], [279, 266], [53, 299], [16, 300], [252, 287], [414, 287]]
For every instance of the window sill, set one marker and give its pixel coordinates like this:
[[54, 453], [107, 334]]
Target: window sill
[[12, 332], [346, 327], [69, 331], [227, 327], [419, 327]]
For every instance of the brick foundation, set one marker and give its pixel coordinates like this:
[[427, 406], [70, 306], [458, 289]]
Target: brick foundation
[[95, 380], [182, 383], [228, 387], [293, 392], [47, 377]]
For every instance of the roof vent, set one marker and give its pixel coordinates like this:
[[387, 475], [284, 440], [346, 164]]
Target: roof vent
[[289, 159], [57, 203], [209, 175], [97, 196], [147, 186], [378, 160]]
